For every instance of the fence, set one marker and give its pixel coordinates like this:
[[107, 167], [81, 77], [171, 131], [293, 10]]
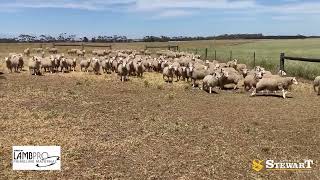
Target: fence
[[215, 55], [169, 47], [82, 45], [283, 57]]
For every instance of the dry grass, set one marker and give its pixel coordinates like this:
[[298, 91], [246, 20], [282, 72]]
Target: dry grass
[[110, 130], [148, 129]]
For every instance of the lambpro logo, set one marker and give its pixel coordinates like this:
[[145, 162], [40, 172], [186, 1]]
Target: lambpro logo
[[259, 165], [36, 158]]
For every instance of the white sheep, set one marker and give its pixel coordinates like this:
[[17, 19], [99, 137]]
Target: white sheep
[[81, 52], [27, 52], [47, 64], [95, 64], [275, 84], [84, 64], [251, 81], [122, 71], [34, 65], [211, 81], [168, 72], [233, 63], [316, 84]]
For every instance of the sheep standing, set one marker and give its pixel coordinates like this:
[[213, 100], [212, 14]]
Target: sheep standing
[[233, 78], [84, 64], [27, 52], [8, 64], [251, 81], [168, 73], [233, 63], [105, 65], [38, 50], [72, 51], [52, 50], [95, 64], [316, 83], [63, 65], [34, 66], [139, 68], [211, 81], [81, 53], [123, 71], [47, 64], [275, 84], [72, 63]]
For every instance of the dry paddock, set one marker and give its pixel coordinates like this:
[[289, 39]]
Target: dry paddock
[[146, 129]]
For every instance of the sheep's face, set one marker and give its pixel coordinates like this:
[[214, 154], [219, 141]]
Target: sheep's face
[[6, 59], [294, 81], [244, 71], [282, 73], [191, 68], [217, 75], [258, 75], [224, 73]]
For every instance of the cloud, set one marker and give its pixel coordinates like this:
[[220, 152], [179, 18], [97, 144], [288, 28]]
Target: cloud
[[172, 13], [172, 8]]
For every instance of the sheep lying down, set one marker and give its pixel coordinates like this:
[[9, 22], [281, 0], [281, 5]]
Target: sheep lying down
[[275, 84]]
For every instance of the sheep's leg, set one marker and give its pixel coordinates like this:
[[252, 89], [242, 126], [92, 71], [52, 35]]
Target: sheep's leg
[[254, 92], [210, 90], [283, 94]]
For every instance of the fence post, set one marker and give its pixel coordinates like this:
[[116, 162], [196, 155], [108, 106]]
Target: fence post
[[231, 55], [196, 51], [146, 48], [282, 57], [54, 45], [82, 46], [206, 54], [254, 59], [215, 54]]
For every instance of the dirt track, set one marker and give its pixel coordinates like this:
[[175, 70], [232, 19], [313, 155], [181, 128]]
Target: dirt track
[[134, 130]]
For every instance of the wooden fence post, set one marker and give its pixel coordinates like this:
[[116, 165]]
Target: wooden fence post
[[54, 45], [282, 58], [254, 59], [196, 51], [206, 54], [231, 55]]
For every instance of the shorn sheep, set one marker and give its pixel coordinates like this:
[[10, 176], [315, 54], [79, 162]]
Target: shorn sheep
[[84, 64], [168, 73], [275, 84], [123, 71], [316, 84], [34, 65], [211, 81]]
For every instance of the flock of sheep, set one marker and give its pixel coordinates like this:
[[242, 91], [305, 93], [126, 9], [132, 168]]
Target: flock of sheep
[[179, 65]]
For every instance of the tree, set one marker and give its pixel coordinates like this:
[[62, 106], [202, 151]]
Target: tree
[[85, 39]]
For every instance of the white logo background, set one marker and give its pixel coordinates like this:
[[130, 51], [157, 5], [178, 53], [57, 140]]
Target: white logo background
[[36, 158]]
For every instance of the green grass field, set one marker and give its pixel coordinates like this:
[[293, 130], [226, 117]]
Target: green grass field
[[267, 52]]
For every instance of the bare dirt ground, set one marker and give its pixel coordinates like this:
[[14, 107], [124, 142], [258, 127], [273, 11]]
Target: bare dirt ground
[[142, 129]]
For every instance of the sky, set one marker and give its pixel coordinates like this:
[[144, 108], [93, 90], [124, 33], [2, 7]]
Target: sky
[[138, 18]]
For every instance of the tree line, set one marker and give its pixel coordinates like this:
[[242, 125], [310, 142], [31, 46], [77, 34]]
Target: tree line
[[64, 37]]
